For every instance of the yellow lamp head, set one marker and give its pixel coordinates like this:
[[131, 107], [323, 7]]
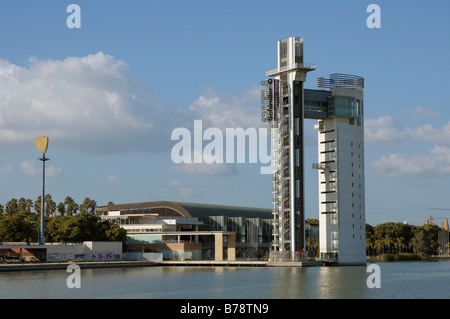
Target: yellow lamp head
[[41, 143]]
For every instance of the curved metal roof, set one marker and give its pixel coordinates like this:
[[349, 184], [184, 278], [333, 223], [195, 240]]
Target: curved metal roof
[[205, 210], [199, 210]]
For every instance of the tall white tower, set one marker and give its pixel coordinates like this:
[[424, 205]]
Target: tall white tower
[[282, 106], [341, 172], [340, 114]]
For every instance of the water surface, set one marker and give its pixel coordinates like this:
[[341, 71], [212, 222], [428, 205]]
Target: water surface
[[398, 280]]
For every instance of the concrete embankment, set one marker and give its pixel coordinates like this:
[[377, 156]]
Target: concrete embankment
[[112, 264], [82, 264]]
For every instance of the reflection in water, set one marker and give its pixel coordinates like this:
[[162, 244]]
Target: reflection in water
[[342, 282], [320, 283], [398, 280], [294, 282]]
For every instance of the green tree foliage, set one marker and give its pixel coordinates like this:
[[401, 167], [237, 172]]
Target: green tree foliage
[[401, 238], [12, 207], [19, 227], [312, 221], [50, 206], [61, 208], [71, 206], [88, 206], [19, 224], [82, 227]]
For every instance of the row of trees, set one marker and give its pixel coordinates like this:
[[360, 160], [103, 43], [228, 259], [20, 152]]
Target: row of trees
[[68, 207], [69, 223], [401, 238], [392, 238]]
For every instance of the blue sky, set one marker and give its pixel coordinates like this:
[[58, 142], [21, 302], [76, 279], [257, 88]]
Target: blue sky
[[109, 94]]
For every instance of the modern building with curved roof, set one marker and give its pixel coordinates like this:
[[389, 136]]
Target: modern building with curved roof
[[193, 231]]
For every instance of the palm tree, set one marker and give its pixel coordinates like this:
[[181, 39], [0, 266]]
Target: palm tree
[[50, 206], [12, 207], [412, 245], [38, 204], [379, 246], [22, 204], [399, 244], [71, 206], [89, 205], [369, 246], [388, 241], [61, 209], [308, 244], [28, 204]]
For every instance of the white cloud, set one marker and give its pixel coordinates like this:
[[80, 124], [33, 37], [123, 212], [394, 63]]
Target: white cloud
[[229, 112], [183, 189], [205, 168], [386, 130], [90, 103], [29, 168], [203, 164], [382, 129], [6, 169], [421, 113], [94, 104], [436, 163], [112, 179]]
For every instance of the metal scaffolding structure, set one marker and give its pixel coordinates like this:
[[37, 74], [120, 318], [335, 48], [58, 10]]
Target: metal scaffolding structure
[[282, 106]]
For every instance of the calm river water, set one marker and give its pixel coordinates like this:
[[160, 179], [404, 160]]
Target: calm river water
[[398, 280]]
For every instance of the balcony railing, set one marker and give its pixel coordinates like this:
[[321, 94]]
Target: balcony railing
[[301, 66], [321, 166]]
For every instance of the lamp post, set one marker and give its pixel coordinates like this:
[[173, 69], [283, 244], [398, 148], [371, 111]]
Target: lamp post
[[42, 145]]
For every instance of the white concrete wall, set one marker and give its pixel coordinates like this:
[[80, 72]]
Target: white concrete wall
[[351, 199], [136, 256], [101, 250], [343, 231], [66, 252]]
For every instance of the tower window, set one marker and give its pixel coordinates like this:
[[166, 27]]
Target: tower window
[[297, 49], [283, 50]]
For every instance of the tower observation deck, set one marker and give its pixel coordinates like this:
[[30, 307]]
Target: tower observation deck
[[339, 112]]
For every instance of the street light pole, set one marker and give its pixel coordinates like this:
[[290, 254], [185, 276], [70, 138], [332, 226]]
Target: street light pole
[[42, 145], [42, 233]]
